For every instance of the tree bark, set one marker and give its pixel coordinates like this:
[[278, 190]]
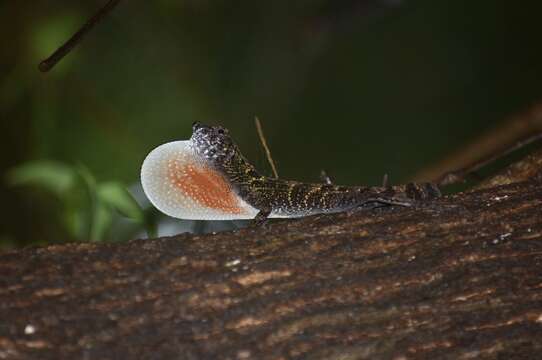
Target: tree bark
[[460, 277]]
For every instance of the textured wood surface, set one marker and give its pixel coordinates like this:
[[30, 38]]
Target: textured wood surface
[[457, 278]]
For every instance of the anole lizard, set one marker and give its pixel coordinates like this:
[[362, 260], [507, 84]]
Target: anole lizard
[[207, 178]]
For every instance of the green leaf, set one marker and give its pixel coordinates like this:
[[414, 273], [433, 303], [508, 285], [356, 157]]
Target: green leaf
[[115, 195], [51, 175], [102, 219], [86, 176], [73, 220]]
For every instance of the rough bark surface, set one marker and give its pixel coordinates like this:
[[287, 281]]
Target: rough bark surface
[[460, 277]]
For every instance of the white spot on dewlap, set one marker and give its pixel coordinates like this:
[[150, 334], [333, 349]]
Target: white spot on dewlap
[[181, 184]]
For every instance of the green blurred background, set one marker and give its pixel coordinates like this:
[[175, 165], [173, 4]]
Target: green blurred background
[[359, 88]]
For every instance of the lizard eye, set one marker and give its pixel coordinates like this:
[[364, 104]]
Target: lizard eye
[[222, 131]]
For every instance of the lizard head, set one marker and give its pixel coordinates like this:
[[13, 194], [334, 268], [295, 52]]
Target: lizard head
[[213, 143]]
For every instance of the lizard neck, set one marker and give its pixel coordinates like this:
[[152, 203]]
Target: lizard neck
[[239, 171]]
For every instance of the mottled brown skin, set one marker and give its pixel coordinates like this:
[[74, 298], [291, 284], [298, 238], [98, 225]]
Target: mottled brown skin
[[292, 198]]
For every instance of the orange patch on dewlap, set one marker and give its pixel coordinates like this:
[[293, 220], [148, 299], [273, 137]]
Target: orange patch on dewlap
[[204, 185]]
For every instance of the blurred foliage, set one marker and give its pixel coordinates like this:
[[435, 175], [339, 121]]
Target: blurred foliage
[[88, 207], [360, 88]]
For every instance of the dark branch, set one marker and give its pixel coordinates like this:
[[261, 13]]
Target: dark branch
[[516, 131], [461, 175], [68, 46]]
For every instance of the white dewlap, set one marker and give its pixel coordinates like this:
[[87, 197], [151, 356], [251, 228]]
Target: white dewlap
[[181, 185]]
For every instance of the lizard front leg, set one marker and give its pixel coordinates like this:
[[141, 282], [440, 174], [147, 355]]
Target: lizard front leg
[[261, 218]]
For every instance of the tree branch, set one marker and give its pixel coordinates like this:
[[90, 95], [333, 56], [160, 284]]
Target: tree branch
[[514, 133], [459, 277], [76, 38]]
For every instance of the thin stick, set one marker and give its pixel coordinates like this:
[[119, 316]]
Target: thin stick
[[264, 143], [76, 38]]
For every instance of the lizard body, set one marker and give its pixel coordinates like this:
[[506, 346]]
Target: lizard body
[[208, 178]]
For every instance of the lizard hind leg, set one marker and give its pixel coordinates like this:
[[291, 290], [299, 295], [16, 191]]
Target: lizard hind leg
[[379, 203], [325, 178], [422, 191]]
